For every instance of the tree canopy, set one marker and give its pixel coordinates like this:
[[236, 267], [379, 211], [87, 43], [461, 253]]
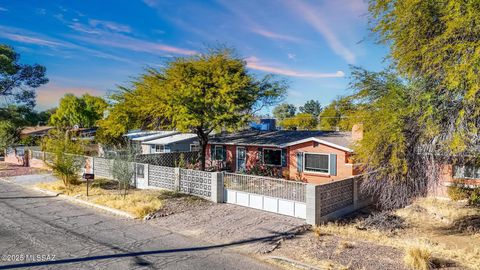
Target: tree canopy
[[301, 121], [284, 110], [83, 111], [199, 94], [339, 114], [424, 112], [18, 81], [437, 42], [312, 107]]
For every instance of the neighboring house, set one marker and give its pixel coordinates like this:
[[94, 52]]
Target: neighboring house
[[166, 141], [468, 174], [312, 156], [180, 142], [36, 131]]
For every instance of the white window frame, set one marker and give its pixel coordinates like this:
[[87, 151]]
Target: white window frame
[[163, 148], [316, 172], [215, 152], [263, 157]]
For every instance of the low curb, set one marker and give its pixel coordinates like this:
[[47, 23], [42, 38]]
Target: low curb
[[295, 263], [113, 211]]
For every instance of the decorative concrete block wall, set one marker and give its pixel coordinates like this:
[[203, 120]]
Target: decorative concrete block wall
[[333, 200]]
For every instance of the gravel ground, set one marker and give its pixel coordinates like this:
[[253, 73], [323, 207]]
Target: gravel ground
[[226, 223], [357, 255]]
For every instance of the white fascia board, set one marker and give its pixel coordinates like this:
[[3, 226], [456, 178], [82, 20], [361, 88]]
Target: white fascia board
[[318, 141]]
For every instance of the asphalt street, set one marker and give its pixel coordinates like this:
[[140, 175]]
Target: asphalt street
[[47, 232]]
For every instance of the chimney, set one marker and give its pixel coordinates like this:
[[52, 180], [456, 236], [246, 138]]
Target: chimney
[[357, 132]]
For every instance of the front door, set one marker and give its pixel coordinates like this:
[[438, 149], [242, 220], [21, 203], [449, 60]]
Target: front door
[[241, 159]]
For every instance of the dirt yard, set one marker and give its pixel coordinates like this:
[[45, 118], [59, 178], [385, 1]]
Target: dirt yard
[[247, 229], [8, 170], [449, 231]]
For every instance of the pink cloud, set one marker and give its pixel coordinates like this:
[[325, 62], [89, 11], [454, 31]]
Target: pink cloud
[[30, 39], [254, 63]]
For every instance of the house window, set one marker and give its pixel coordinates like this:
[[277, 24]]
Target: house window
[[272, 157], [218, 153], [467, 171], [194, 147], [160, 148], [316, 162]]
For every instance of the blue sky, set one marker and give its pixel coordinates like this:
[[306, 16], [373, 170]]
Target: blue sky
[[93, 46]]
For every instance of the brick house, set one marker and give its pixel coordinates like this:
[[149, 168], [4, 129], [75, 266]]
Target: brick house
[[311, 156]]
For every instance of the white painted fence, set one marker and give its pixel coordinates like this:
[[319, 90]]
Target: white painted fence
[[265, 193]]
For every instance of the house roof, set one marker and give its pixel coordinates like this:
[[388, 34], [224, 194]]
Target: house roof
[[35, 129], [172, 139], [284, 138], [156, 135]]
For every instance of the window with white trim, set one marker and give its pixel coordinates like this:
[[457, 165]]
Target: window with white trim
[[218, 153], [160, 148], [272, 157], [467, 172], [314, 162]]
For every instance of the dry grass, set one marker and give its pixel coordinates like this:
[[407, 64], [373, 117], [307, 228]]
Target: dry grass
[[418, 257], [103, 192], [432, 223], [317, 231]]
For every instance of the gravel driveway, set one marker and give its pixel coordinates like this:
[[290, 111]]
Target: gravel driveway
[[225, 223]]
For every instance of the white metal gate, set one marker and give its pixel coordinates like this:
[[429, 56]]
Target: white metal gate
[[266, 193]]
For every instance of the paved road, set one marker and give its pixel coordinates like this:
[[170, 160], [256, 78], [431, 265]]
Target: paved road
[[34, 225]]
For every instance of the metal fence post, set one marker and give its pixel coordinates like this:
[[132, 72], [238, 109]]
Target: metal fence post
[[217, 188], [177, 179], [313, 204]]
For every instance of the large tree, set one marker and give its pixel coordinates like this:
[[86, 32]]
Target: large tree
[[19, 81], [202, 93], [301, 121], [312, 107], [284, 110], [83, 111], [426, 112], [438, 42]]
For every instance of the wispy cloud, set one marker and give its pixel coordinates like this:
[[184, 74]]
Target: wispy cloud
[[27, 37], [133, 44], [113, 26], [311, 16], [255, 63], [30, 40], [276, 36], [3, 9]]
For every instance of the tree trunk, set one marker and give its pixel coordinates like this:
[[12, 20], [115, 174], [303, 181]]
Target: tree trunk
[[203, 152]]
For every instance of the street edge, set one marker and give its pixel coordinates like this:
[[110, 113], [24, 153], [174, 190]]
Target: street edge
[[75, 200]]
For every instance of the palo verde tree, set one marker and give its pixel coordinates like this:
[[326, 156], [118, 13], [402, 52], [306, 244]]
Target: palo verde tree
[[19, 81], [202, 93], [430, 114]]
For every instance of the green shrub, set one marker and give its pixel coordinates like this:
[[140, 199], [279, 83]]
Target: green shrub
[[457, 192], [474, 198]]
